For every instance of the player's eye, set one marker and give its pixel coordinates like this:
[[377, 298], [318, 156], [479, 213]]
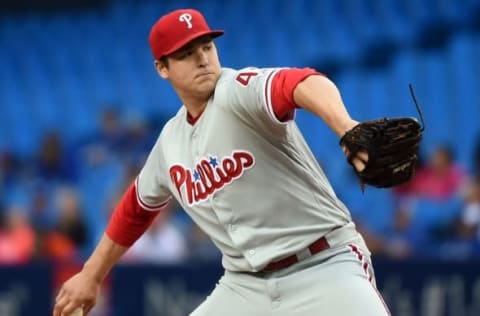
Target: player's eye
[[185, 54]]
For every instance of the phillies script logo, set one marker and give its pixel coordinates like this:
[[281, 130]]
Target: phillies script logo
[[210, 175]]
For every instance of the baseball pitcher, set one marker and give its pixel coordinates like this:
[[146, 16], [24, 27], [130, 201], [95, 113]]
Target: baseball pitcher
[[237, 163]]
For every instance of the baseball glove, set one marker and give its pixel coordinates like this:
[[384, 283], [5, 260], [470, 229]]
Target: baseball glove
[[391, 144]]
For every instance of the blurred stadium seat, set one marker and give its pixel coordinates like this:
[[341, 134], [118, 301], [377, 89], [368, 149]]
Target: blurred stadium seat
[[63, 72], [59, 69]]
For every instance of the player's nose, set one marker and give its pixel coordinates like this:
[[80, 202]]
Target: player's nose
[[202, 58]]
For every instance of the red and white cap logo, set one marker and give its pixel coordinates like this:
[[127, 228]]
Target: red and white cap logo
[[186, 17], [176, 29]]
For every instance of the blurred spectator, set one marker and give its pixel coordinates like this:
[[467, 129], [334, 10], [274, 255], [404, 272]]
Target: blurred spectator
[[69, 235], [130, 172], [163, 242], [104, 143], [53, 163], [426, 208], [42, 216], [374, 241], [476, 159], [399, 240], [70, 221], [17, 238], [439, 179], [460, 240], [469, 223], [403, 240], [9, 167], [139, 139]]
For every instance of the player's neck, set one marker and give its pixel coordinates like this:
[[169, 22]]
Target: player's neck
[[194, 104], [195, 109]]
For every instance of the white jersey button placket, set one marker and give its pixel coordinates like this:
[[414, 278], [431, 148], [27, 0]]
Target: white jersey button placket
[[195, 151]]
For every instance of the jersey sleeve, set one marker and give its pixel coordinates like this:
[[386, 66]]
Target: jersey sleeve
[[283, 86], [151, 183], [265, 94], [129, 220], [141, 202]]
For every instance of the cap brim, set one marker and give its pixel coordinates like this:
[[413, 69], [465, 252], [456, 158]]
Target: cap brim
[[185, 41]]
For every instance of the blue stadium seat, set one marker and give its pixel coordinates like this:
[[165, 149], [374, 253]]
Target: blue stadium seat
[[393, 22], [58, 71], [353, 94], [377, 97], [434, 82], [465, 95], [431, 214], [97, 188], [403, 71]]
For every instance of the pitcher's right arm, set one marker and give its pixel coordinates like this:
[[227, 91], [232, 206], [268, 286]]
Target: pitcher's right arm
[[128, 222]]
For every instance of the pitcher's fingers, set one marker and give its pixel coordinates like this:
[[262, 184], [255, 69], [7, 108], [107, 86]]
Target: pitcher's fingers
[[60, 294], [345, 150], [363, 155], [59, 305], [359, 164], [70, 308], [57, 310]]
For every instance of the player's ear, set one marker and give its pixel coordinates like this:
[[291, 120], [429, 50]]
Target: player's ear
[[162, 68]]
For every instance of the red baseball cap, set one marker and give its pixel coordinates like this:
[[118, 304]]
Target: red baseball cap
[[176, 29]]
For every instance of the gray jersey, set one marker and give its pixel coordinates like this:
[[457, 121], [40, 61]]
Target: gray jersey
[[247, 179]]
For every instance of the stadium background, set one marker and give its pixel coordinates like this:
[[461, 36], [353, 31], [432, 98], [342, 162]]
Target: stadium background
[[81, 106]]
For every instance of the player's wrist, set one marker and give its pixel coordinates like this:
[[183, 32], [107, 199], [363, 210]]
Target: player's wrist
[[93, 273], [346, 126]]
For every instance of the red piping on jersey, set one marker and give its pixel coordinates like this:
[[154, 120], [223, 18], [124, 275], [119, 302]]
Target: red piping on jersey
[[365, 265], [150, 207], [267, 92], [192, 120], [129, 220], [283, 86]]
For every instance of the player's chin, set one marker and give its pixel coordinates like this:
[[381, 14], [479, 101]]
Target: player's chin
[[205, 86]]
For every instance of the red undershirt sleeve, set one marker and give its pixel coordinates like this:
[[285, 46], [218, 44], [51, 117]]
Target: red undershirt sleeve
[[283, 86], [129, 220]]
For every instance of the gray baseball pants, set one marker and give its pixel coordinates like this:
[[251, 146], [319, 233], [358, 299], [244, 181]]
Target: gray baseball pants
[[340, 284]]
